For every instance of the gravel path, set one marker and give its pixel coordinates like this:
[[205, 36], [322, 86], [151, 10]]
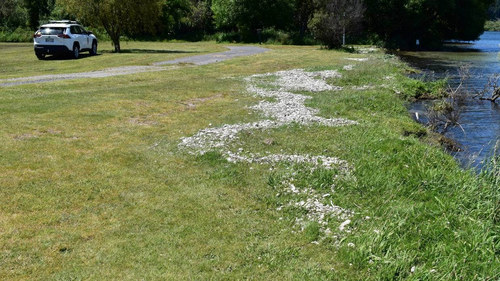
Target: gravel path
[[126, 70], [217, 57], [281, 106], [285, 108]]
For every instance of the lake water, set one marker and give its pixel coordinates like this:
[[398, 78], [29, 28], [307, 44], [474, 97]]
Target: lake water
[[479, 120]]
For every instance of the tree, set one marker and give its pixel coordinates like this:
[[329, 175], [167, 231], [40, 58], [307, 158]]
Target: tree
[[335, 18], [201, 17], [117, 17], [494, 11], [249, 15], [36, 9], [173, 14], [12, 14], [304, 11], [400, 23]]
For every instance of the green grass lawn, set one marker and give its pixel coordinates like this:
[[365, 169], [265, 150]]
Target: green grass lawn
[[17, 58], [93, 185]]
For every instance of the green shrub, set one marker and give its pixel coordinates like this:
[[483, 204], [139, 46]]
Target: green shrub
[[18, 35], [492, 25], [231, 37], [100, 33], [268, 36]]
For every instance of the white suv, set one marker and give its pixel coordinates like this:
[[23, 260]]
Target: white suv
[[63, 37]]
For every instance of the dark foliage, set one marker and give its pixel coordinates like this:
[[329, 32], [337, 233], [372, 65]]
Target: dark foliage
[[396, 23], [494, 10], [400, 23]]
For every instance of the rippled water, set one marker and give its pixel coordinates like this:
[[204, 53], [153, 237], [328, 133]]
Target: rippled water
[[480, 120]]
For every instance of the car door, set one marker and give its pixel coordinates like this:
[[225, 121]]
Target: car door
[[77, 33], [86, 42]]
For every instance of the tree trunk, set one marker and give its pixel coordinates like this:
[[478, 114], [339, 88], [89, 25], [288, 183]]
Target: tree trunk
[[116, 42], [113, 32], [117, 46], [302, 30]]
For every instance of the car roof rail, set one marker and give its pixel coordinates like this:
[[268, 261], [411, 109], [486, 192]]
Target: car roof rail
[[64, 21]]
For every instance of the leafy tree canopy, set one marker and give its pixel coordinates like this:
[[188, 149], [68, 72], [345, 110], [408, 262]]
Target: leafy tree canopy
[[247, 15], [494, 11], [117, 17], [400, 23]]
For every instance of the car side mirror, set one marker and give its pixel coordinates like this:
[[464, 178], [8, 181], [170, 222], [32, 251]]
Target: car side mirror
[[89, 32]]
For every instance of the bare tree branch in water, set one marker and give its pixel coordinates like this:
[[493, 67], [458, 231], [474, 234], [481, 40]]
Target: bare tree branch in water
[[491, 90], [446, 113]]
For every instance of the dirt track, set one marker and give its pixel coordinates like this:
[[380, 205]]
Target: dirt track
[[125, 70]]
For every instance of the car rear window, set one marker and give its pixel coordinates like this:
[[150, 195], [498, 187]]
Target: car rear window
[[52, 30]]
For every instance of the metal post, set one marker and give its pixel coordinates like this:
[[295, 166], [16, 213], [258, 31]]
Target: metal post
[[343, 31], [343, 37]]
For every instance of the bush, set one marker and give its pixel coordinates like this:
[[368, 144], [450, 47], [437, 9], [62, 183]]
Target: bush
[[18, 35], [492, 25], [230, 37], [100, 33], [268, 36]]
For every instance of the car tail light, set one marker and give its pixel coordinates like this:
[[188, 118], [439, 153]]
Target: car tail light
[[37, 35], [64, 36]]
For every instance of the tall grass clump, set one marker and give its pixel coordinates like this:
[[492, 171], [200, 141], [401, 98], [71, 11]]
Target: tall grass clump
[[428, 220], [422, 89], [490, 174]]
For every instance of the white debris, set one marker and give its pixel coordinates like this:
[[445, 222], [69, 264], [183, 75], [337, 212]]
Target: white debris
[[286, 108], [218, 137], [367, 50], [358, 59], [348, 67], [301, 80], [320, 212], [316, 161], [363, 88], [344, 224]]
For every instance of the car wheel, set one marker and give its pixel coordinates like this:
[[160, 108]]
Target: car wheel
[[93, 50], [40, 56], [76, 52]]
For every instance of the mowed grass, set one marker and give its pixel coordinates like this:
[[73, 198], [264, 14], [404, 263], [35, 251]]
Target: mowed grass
[[17, 58], [94, 187]]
